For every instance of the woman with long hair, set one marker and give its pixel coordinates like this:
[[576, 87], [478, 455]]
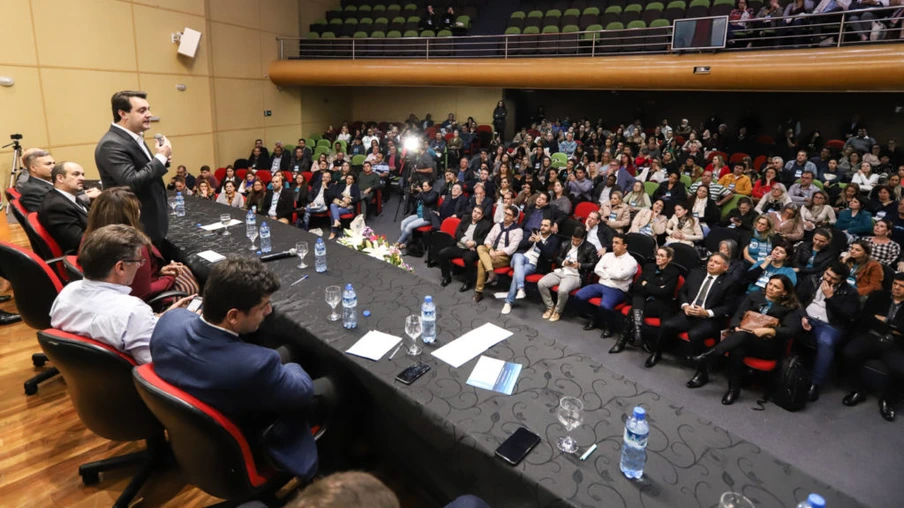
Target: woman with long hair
[[682, 227], [245, 186], [844, 199], [704, 209], [637, 199], [866, 273], [670, 192], [255, 197], [230, 197], [559, 199], [762, 186], [778, 262], [203, 190], [774, 201], [230, 177], [854, 220], [817, 213], [884, 249], [615, 213], [760, 244], [777, 300], [650, 221], [865, 178], [119, 205], [884, 204], [788, 223]]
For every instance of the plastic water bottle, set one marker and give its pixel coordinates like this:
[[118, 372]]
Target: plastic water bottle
[[349, 307], [319, 256], [634, 449], [428, 320], [266, 246], [180, 205], [813, 501]]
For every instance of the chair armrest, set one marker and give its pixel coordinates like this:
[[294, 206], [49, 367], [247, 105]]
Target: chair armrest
[[159, 299]]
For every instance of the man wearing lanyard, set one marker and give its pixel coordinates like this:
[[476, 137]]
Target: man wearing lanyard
[[829, 306], [882, 338], [543, 245], [500, 245], [575, 259], [801, 193]]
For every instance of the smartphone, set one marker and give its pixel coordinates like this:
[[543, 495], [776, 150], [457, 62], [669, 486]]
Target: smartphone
[[413, 372], [195, 304], [517, 446]]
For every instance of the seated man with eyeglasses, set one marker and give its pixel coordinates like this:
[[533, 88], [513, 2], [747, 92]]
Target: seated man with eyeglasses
[[99, 306]]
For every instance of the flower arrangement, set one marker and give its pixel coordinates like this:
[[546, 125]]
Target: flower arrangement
[[376, 246]]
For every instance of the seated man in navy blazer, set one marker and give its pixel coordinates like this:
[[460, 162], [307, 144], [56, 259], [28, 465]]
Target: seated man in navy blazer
[[206, 356]]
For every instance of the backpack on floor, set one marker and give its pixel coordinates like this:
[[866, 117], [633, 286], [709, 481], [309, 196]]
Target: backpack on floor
[[792, 386]]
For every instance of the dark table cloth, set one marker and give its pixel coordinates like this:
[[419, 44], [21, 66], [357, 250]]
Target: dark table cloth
[[450, 429]]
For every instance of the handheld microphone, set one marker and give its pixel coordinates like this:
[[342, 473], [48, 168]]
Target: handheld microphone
[[159, 138], [279, 255]]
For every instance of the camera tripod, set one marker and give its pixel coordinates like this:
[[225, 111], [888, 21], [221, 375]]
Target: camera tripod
[[15, 168]]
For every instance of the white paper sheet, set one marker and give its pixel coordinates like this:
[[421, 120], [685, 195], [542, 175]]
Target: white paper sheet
[[211, 256], [374, 345], [219, 225], [461, 350], [497, 375]]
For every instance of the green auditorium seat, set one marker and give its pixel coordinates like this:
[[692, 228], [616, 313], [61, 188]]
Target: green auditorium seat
[[527, 43], [570, 17], [611, 15], [412, 23], [319, 26], [549, 43], [397, 24], [349, 27], [590, 16], [378, 10], [444, 33], [381, 25], [658, 35], [568, 41], [463, 22], [364, 11], [333, 14], [722, 8], [393, 11], [675, 9], [552, 18], [534, 18], [512, 30], [698, 9], [631, 13], [366, 25], [517, 20], [652, 11], [634, 42], [610, 39], [428, 33], [409, 10]]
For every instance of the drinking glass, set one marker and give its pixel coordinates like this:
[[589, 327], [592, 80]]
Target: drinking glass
[[569, 414], [172, 204], [225, 219], [734, 500], [413, 330], [301, 249], [333, 296], [251, 233]]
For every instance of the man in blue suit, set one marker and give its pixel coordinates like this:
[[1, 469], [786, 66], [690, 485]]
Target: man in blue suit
[[205, 356]]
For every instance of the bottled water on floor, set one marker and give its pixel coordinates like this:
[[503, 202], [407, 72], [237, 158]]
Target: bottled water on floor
[[634, 449], [813, 501], [180, 205], [428, 320], [319, 256], [266, 246], [349, 307]]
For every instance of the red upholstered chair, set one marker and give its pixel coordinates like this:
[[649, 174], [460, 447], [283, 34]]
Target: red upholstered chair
[[44, 244], [597, 301], [307, 177], [98, 380], [264, 176], [835, 145], [582, 211], [210, 449], [450, 225], [12, 193], [220, 174], [654, 321], [737, 157], [240, 174], [767, 365], [426, 229], [759, 161]]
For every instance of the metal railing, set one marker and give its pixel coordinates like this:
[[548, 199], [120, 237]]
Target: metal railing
[[838, 29]]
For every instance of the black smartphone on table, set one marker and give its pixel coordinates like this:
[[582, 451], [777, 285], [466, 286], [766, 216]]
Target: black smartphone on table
[[517, 446], [413, 372]]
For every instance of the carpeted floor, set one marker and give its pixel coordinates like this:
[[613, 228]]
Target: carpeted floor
[[853, 449]]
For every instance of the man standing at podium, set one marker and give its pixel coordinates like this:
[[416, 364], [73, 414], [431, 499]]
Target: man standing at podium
[[123, 158]]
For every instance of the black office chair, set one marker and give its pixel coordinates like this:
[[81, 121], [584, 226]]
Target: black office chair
[[642, 247], [719, 234], [98, 379], [686, 257]]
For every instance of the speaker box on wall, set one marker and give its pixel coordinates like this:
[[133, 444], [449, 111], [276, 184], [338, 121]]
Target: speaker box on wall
[[188, 45]]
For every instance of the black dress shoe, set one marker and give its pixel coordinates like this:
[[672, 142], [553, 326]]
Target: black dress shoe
[[701, 377], [654, 358], [619, 345], [590, 324], [465, 287], [813, 393], [5, 298], [606, 333], [701, 358], [478, 297], [853, 398], [887, 410], [731, 395], [8, 318], [431, 263], [445, 282]]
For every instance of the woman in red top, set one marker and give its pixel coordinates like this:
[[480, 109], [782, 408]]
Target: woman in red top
[[764, 185]]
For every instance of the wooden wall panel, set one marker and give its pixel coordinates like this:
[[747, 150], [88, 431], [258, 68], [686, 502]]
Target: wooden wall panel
[[790, 70]]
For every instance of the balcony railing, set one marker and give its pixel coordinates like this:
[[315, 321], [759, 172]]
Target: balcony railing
[[804, 31]]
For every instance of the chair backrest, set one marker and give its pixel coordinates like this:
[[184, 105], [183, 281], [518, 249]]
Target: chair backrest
[[99, 382], [210, 449], [450, 225], [45, 245], [34, 283], [264, 176], [686, 257], [583, 209], [12, 193], [641, 246]]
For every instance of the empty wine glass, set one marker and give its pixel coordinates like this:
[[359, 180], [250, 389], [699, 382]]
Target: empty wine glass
[[251, 233], [333, 296], [734, 500], [225, 219], [301, 249], [413, 330], [569, 414], [172, 204]]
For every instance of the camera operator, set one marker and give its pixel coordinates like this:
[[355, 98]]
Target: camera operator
[[425, 203]]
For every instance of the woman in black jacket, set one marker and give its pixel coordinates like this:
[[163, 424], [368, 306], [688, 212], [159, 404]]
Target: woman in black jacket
[[778, 301], [499, 115], [654, 296], [670, 192], [426, 202]]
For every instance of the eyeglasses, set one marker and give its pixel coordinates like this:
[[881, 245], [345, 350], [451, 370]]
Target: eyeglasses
[[140, 261]]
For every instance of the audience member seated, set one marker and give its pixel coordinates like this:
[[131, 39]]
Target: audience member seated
[[230, 197], [879, 336], [717, 192], [813, 257], [259, 145], [206, 174], [559, 199], [603, 191], [760, 244], [650, 221], [682, 227], [255, 198], [794, 170], [505, 200], [763, 186], [257, 159], [425, 204], [866, 273], [736, 181], [100, 306], [854, 220], [301, 159], [496, 251], [187, 178], [778, 262], [777, 300], [737, 268], [471, 232], [207, 357], [818, 213], [884, 250], [775, 200], [229, 176], [60, 212], [574, 261], [671, 192], [801, 193], [652, 296], [579, 186], [542, 246], [318, 197], [245, 186], [179, 186], [615, 270], [705, 301], [480, 199], [788, 223], [741, 217], [40, 165], [884, 204], [345, 195], [204, 191], [615, 213], [865, 178], [703, 209], [829, 307], [637, 199]]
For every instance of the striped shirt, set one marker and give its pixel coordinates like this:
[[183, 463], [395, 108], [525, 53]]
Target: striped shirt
[[716, 190]]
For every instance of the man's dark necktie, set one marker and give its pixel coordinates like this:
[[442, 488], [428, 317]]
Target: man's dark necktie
[[701, 296]]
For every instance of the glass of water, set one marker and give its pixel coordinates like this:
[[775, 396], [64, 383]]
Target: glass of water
[[225, 219], [172, 204], [333, 296], [734, 500], [251, 233], [301, 249], [569, 413], [413, 331]]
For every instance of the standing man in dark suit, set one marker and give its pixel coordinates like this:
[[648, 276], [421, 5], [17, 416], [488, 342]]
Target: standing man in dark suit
[[706, 300], [123, 158], [206, 356], [40, 164], [60, 213]]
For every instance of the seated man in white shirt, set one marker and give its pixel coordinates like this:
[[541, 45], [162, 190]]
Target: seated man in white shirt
[[99, 306], [616, 270]]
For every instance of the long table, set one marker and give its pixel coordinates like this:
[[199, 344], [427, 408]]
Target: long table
[[449, 430]]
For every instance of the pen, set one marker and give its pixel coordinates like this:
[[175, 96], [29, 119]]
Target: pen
[[299, 280], [396, 350], [588, 452]]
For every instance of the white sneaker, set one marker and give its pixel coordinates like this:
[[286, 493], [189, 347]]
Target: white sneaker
[[507, 308], [521, 295], [500, 295]]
